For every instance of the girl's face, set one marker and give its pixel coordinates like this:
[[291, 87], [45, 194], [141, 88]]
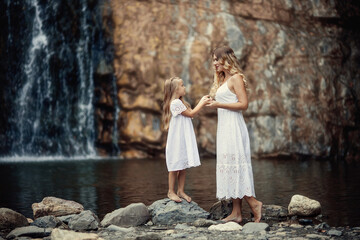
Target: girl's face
[[180, 89], [218, 66]]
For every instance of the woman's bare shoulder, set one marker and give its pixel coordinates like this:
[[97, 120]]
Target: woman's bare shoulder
[[237, 79]]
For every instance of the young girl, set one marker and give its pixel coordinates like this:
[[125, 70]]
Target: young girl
[[181, 147]]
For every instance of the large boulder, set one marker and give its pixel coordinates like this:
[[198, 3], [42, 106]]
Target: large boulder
[[86, 220], [135, 214], [56, 207], [167, 212], [9, 219], [300, 59], [303, 206]]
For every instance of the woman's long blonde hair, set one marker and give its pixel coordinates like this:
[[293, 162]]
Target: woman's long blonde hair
[[170, 87], [225, 56]]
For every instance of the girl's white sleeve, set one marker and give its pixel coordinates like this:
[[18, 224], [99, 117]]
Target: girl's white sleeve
[[177, 107]]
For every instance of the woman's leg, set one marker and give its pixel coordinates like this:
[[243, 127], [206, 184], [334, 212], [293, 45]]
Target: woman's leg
[[235, 215], [181, 186], [256, 207], [172, 180]]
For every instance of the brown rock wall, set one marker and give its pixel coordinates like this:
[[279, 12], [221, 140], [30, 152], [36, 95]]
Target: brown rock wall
[[300, 58]]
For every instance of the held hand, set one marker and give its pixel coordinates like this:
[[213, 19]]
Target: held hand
[[212, 104], [205, 99]]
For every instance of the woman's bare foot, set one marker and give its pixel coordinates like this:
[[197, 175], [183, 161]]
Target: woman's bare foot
[[257, 211], [173, 197], [233, 218], [184, 196]]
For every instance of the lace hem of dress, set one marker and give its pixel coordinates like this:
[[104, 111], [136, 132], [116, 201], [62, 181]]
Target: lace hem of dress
[[234, 197]]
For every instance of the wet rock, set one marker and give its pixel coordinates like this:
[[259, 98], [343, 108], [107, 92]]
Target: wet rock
[[59, 234], [29, 231], [255, 227], [9, 219], [304, 221], [84, 221], [229, 226], [167, 212], [47, 222], [134, 214], [303, 206], [56, 207]]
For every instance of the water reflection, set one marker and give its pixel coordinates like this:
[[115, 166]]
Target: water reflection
[[105, 185]]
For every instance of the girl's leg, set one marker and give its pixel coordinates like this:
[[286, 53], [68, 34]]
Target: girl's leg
[[172, 180], [181, 186], [256, 207], [235, 215]]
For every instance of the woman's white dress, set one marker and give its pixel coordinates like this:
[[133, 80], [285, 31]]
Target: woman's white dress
[[234, 176], [181, 146]]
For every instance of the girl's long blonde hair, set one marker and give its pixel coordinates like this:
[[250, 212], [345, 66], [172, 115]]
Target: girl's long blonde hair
[[170, 87], [225, 56]]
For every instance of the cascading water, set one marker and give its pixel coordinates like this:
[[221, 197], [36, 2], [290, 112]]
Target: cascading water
[[52, 111]]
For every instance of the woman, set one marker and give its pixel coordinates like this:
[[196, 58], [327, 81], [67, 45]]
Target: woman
[[234, 177]]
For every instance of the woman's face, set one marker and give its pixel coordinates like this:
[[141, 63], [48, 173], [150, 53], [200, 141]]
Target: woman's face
[[217, 65]]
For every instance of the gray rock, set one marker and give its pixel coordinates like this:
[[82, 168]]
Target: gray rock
[[322, 226], [255, 227], [86, 220], [315, 236], [168, 212], [66, 219], [29, 231], [134, 214], [151, 236], [221, 209], [9, 219], [47, 222], [303, 206], [204, 223], [334, 232], [274, 212]]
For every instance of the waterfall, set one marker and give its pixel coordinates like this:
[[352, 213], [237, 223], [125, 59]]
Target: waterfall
[[53, 109]]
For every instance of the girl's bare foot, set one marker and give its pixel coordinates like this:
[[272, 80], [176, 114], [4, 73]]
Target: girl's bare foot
[[184, 196], [257, 211], [232, 218], [173, 197]]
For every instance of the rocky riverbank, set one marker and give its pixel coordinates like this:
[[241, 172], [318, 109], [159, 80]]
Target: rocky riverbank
[[56, 218]]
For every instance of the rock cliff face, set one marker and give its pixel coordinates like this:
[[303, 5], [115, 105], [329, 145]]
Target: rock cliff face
[[301, 59]]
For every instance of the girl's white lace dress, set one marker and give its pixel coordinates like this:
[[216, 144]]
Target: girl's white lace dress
[[181, 146], [234, 176]]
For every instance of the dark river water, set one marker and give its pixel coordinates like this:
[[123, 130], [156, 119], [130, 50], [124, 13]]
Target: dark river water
[[105, 185]]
